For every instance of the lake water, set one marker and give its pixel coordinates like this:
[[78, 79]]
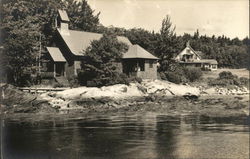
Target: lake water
[[127, 136]]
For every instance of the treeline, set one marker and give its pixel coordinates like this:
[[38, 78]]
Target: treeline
[[26, 23], [230, 53]]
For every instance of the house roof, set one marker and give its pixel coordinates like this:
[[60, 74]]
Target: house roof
[[135, 51], [56, 54], [208, 61], [211, 61], [63, 15], [79, 41], [197, 54]]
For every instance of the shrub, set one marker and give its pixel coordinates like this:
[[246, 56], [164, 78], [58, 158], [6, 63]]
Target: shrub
[[244, 81], [162, 76], [118, 78], [192, 73], [135, 79], [221, 82], [47, 75], [25, 80], [226, 75], [58, 85], [182, 74], [73, 81], [226, 79], [91, 84], [173, 77]]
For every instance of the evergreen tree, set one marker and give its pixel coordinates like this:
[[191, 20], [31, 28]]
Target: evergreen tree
[[167, 44], [101, 58], [81, 16], [21, 26]]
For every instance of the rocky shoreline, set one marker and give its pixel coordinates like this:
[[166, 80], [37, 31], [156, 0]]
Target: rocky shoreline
[[157, 96]]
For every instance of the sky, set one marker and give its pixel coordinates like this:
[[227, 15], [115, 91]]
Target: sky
[[210, 17]]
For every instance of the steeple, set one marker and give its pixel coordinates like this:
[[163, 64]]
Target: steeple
[[62, 22]]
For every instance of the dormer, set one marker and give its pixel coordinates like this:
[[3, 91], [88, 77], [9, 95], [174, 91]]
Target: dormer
[[62, 22]]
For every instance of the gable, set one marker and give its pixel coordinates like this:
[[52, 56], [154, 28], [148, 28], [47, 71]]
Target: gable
[[187, 51]]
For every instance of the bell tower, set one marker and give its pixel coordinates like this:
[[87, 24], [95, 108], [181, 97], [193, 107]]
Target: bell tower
[[62, 22]]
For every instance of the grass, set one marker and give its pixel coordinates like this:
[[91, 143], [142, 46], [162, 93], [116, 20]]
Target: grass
[[215, 74]]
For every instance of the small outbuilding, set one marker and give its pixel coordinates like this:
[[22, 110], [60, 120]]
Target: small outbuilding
[[140, 63]]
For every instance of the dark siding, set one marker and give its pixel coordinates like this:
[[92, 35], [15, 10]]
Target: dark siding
[[70, 58]]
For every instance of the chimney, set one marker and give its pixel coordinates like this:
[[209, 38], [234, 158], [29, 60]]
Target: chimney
[[63, 22]]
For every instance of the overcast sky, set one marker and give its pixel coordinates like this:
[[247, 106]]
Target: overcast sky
[[218, 17]]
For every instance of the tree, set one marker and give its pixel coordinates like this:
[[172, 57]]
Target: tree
[[142, 37], [166, 27], [82, 16], [167, 45], [22, 24], [100, 63]]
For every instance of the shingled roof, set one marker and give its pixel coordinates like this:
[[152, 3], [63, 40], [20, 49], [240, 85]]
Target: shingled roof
[[79, 41], [56, 54], [135, 51]]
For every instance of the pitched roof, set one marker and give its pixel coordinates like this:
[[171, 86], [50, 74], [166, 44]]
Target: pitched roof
[[79, 41], [135, 51], [193, 51], [208, 61], [56, 54], [63, 15]]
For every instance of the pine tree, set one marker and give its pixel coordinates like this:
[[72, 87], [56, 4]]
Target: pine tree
[[81, 16]]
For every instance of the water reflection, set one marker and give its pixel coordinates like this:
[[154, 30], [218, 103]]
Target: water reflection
[[128, 136]]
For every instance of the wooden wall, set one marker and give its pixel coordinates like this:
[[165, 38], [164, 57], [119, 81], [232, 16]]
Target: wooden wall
[[149, 73]]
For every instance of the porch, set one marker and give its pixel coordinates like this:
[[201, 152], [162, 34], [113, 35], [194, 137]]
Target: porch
[[56, 62]]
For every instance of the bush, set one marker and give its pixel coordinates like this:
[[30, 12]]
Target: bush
[[91, 84], [226, 79], [244, 81], [25, 80], [73, 81], [227, 75], [135, 79], [192, 73], [117, 78], [56, 85], [120, 78], [173, 77], [162, 76], [221, 82], [182, 75], [47, 75]]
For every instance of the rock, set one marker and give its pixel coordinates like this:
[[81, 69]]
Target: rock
[[190, 96], [124, 89]]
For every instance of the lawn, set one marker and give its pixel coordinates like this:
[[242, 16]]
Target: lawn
[[215, 74]]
